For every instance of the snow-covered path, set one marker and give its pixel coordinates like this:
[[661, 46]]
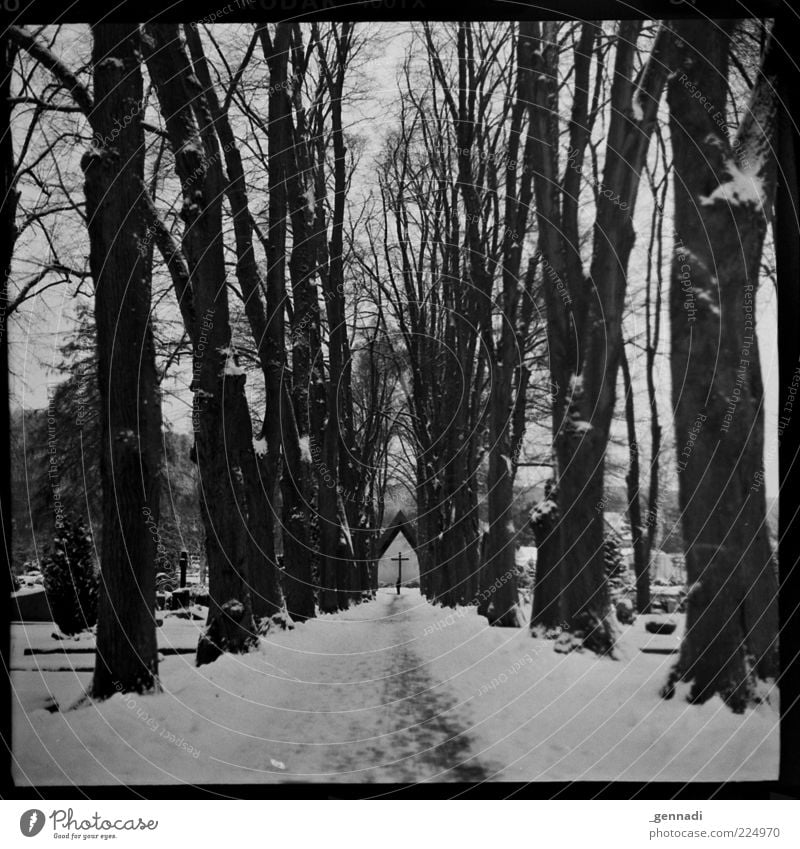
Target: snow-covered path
[[340, 698], [394, 690], [378, 715]]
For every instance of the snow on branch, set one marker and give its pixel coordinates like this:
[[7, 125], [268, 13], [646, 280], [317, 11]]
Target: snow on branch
[[741, 188], [750, 164], [231, 368]]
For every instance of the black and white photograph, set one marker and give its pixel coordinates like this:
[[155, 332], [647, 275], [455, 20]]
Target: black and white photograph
[[398, 400]]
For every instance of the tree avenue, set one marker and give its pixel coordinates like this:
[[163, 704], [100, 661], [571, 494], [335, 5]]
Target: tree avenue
[[459, 316]]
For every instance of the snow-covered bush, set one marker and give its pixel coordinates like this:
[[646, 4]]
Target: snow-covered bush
[[626, 614], [71, 578]]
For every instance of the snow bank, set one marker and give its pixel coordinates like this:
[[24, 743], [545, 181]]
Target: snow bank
[[395, 690], [554, 717]]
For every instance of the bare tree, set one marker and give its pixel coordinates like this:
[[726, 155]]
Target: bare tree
[[8, 231], [435, 317], [127, 654], [723, 196], [507, 366], [585, 312], [456, 191], [336, 548], [265, 300], [653, 301], [632, 478], [243, 579], [113, 182]]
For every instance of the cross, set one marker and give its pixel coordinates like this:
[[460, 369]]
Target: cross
[[400, 560]]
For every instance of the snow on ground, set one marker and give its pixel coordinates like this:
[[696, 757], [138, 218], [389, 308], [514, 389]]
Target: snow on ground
[[76, 653], [393, 690]]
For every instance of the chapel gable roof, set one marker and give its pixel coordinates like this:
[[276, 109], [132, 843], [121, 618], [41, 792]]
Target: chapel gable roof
[[400, 523]]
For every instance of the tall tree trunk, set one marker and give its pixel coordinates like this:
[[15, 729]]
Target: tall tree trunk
[[298, 580], [9, 198], [307, 381], [499, 569], [429, 521], [351, 473], [130, 404], [584, 321], [721, 196], [787, 255], [640, 560], [276, 53], [260, 491], [468, 287], [335, 543], [653, 336], [564, 287], [243, 577], [584, 599], [297, 484], [545, 613]]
